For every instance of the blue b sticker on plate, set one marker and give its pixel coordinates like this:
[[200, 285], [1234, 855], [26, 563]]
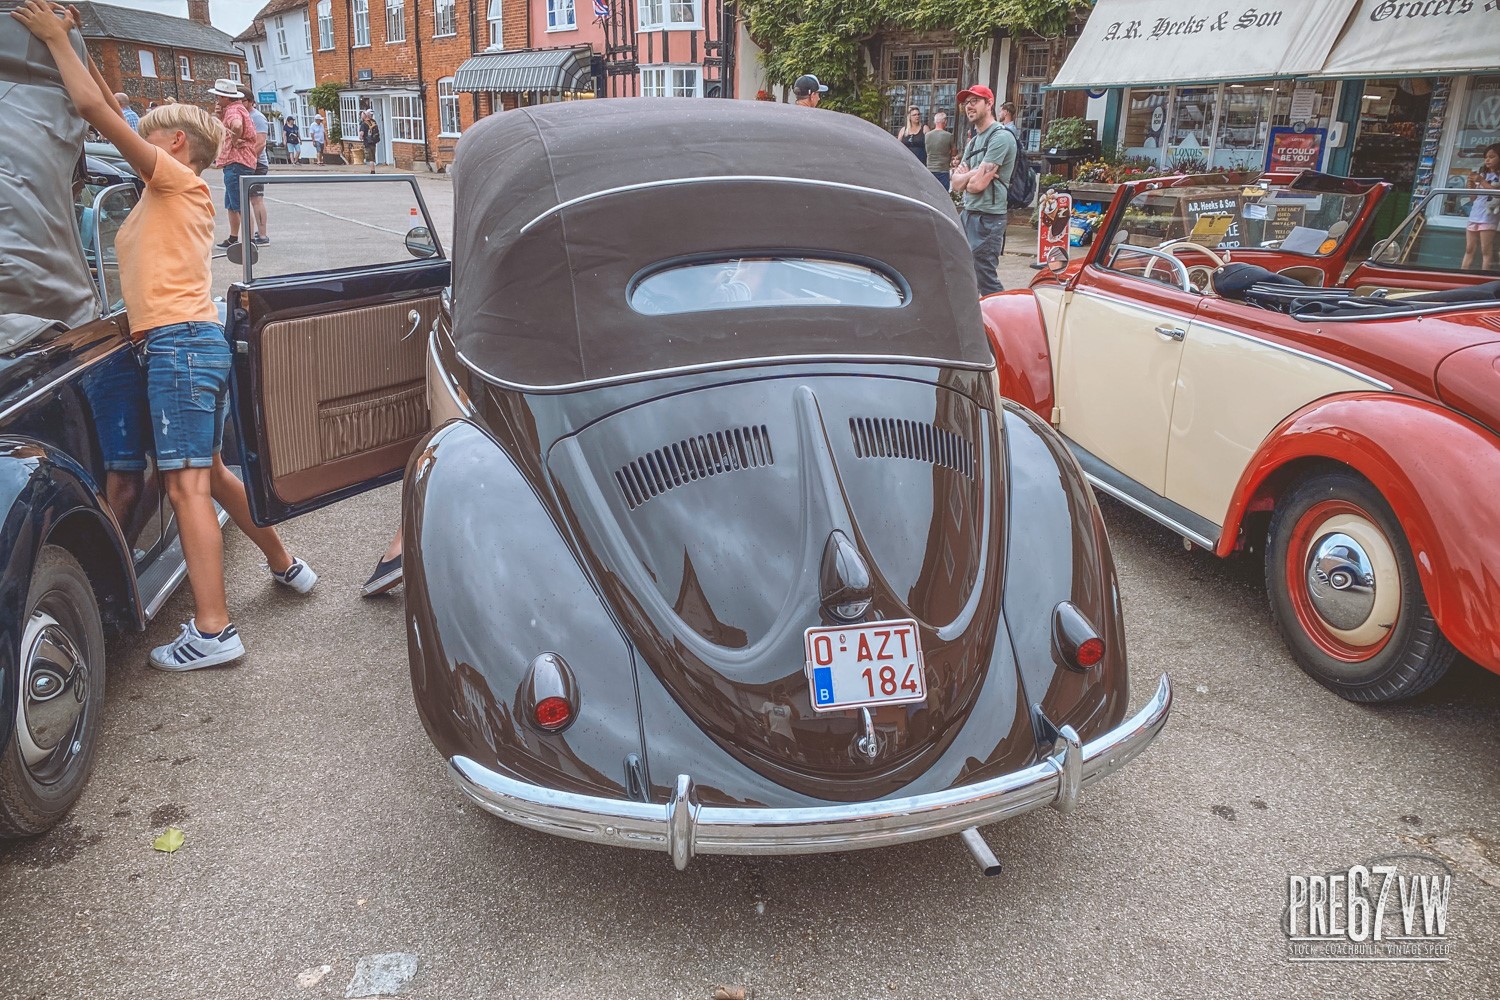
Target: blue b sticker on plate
[[822, 685]]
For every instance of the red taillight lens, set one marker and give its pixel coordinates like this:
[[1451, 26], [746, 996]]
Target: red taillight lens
[[553, 713], [1090, 652]]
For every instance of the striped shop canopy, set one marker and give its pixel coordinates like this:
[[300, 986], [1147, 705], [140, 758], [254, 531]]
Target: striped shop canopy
[[516, 71]]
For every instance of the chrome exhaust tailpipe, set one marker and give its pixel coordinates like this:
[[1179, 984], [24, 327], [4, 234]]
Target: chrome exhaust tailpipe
[[978, 847]]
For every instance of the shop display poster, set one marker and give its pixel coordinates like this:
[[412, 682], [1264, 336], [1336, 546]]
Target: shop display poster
[[1291, 149]]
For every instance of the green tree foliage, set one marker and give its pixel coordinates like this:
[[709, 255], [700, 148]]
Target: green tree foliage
[[325, 97], [827, 37]]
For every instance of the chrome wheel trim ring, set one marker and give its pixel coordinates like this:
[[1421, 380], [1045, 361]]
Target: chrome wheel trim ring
[[1353, 580], [53, 698]]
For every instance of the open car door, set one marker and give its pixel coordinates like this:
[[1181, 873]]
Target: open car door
[[329, 327]]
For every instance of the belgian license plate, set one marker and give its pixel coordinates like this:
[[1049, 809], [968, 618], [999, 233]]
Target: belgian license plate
[[876, 663]]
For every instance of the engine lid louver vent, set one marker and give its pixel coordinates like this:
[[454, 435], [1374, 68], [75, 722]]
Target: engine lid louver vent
[[691, 459], [888, 437]]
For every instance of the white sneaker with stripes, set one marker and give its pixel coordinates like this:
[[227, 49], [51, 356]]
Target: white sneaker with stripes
[[192, 650], [299, 576]]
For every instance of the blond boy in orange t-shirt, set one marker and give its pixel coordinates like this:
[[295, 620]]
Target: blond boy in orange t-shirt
[[164, 250]]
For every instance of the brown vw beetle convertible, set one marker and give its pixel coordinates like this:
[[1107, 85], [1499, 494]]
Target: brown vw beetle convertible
[[724, 542]]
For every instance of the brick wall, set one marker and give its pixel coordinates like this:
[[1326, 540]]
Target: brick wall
[[120, 64], [394, 65]]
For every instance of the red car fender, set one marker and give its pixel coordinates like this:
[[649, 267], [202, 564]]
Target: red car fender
[[1018, 336], [1439, 472]]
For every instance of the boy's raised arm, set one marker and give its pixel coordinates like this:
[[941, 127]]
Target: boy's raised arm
[[88, 92]]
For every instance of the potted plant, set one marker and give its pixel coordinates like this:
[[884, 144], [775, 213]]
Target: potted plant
[[1067, 137]]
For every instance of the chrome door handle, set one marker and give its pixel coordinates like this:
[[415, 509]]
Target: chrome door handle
[[1171, 332], [415, 319]]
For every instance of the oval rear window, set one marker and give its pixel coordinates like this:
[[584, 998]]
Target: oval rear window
[[755, 282]]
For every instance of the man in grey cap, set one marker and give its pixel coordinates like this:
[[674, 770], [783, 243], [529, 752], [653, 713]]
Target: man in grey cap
[[808, 90]]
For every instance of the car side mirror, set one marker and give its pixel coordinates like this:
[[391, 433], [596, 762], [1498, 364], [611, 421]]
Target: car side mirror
[[236, 252], [1057, 260], [1378, 250], [419, 242]]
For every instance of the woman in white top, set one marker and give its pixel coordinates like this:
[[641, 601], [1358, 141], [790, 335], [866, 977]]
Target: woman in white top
[[1484, 213]]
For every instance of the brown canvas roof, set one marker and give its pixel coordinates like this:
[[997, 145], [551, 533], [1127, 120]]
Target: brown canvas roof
[[562, 206]]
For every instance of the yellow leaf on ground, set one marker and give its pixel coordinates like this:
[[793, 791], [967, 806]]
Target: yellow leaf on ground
[[169, 841]]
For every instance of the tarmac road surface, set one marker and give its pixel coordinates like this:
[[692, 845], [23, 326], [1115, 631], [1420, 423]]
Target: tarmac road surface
[[321, 827]]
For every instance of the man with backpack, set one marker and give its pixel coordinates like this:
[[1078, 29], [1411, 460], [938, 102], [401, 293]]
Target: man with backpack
[[1022, 187], [983, 178]]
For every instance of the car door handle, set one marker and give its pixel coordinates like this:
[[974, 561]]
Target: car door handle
[[1171, 332], [415, 319]]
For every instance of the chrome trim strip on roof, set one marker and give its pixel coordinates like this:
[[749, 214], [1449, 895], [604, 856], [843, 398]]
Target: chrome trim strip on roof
[[645, 185], [713, 365]]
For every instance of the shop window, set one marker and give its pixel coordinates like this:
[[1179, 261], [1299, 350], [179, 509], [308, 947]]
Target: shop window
[[1244, 122], [671, 81], [922, 75], [1145, 131], [1033, 72], [349, 116], [406, 119], [447, 98], [1478, 127]]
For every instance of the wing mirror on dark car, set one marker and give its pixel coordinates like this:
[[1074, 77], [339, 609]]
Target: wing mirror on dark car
[[419, 242], [236, 252]]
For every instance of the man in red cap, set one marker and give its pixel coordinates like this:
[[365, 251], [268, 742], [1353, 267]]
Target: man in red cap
[[983, 177]]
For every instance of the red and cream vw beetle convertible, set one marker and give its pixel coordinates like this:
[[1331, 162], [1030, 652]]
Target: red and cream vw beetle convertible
[[1208, 370]]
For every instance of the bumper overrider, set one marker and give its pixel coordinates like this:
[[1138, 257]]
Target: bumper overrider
[[682, 827]]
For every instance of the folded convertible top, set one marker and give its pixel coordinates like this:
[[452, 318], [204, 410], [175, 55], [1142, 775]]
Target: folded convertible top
[[44, 281]]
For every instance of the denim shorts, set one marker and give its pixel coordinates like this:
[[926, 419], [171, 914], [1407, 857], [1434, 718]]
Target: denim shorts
[[116, 391], [232, 174], [187, 384]]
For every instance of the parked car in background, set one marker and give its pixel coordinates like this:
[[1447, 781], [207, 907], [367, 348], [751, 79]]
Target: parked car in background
[[1203, 375], [724, 542]]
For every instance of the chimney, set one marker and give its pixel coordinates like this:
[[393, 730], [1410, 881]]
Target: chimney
[[198, 11]]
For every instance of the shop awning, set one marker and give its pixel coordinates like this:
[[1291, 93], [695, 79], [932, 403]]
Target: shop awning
[[1386, 38], [1133, 43], [515, 71]]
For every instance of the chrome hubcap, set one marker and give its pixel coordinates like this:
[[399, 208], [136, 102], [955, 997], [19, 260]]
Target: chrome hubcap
[[54, 696], [1341, 581]]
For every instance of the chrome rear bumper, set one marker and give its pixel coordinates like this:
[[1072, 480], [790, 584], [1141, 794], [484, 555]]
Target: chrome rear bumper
[[683, 828]]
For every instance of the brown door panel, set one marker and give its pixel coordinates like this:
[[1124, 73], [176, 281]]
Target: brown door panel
[[344, 395]]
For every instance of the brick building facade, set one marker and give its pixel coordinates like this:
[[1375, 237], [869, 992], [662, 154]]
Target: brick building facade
[[152, 57], [397, 58]]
